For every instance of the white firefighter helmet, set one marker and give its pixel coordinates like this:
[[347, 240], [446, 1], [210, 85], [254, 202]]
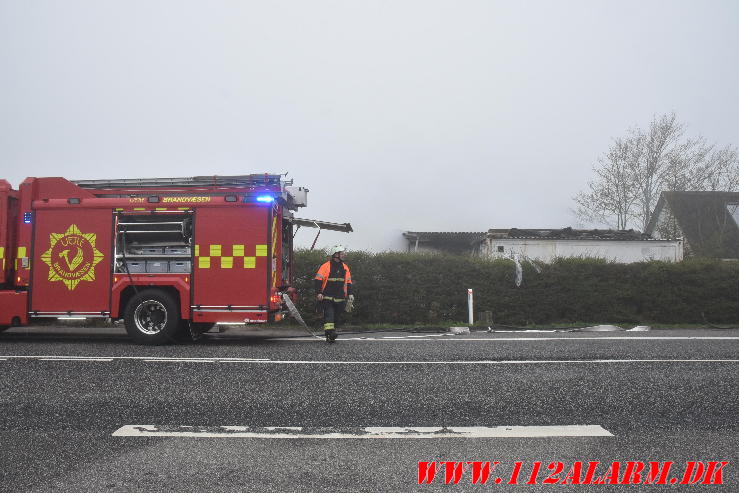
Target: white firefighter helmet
[[336, 249]]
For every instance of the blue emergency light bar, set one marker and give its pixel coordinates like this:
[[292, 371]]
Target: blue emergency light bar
[[265, 198]]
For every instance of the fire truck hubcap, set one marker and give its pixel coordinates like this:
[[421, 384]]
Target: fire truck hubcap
[[150, 317]]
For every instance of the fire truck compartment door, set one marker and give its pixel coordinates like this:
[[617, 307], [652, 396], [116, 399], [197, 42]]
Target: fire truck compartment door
[[71, 263], [232, 261]]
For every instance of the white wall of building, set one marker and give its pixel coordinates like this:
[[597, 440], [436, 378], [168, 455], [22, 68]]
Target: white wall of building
[[620, 251]]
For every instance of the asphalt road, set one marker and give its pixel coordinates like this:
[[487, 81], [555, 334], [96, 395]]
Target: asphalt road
[[659, 395]]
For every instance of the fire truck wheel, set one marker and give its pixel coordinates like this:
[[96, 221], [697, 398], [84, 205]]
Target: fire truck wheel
[[152, 317]]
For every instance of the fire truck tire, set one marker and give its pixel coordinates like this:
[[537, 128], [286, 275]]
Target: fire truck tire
[[152, 317]]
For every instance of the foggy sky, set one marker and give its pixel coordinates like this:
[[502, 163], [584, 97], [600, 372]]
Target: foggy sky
[[397, 115]]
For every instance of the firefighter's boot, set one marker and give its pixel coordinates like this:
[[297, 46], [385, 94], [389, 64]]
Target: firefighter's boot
[[330, 332]]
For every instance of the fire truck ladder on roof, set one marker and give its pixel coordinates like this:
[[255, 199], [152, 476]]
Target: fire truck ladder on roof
[[236, 181]]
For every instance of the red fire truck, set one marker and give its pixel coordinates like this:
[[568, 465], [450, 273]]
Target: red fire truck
[[165, 254]]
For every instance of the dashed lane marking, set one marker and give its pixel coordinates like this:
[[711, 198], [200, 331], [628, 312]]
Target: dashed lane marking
[[179, 360], [372, 432]]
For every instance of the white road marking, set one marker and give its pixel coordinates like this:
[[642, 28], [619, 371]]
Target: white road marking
[[179, 360], [268, 428], [494, 362], [150, 359], [456, 338], [76, 359], [380, 338], [624, 338], [540, 339], [372, 432], [48, 357], [515, 331]]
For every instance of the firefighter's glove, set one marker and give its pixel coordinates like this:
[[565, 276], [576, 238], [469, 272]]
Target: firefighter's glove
[[350, 303]]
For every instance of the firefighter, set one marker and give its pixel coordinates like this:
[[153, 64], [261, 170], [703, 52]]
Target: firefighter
[[333, 283]]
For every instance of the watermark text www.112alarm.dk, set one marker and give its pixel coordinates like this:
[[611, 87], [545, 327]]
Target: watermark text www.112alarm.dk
[[574, 473]]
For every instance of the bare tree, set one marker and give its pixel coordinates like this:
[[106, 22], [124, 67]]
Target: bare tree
[[612, 194], [641, 165], [662, 142], [721, 170]]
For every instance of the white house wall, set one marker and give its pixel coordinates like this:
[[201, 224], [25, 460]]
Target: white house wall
[[619, 251]]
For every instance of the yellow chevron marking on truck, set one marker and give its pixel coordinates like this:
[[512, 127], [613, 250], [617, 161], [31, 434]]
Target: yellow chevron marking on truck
[[274, 250], [227, 262], [20, 253]]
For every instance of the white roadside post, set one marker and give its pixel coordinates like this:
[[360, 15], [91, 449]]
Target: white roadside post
[[469, 306]]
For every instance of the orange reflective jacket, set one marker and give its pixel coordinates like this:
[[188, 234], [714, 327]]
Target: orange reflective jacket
[[325, 271]]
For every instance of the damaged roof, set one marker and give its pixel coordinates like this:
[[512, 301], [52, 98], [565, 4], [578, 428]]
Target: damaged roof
[[470, 238], [458, 242], [444, 235], [570, 234]]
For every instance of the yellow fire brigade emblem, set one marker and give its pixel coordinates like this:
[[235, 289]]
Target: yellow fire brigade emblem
[[72, 257]]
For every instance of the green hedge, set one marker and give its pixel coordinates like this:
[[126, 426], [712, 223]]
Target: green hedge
[[403, 288]]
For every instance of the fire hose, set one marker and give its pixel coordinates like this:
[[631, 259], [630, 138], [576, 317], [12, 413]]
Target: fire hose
[[296, 314]]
